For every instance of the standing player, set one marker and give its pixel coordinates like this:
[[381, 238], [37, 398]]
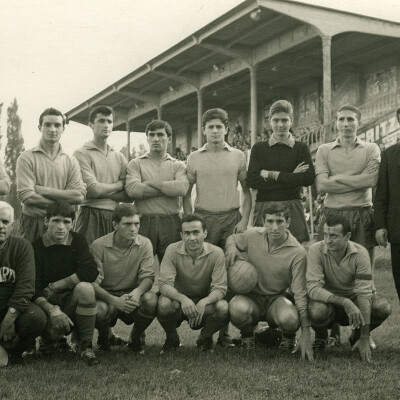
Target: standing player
[[386, 207], [46, 174], [20, 319], [339, 283], [103, 171], [279, 167], [156, 181], [193, 284], [280, 296], [125, 261], [347, 170], [65, 270], [216, 169]]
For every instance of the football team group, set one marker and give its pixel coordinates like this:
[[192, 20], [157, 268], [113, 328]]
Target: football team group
[[61, 275]]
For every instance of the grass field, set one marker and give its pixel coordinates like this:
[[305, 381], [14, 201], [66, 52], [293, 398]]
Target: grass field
[[225, 374]]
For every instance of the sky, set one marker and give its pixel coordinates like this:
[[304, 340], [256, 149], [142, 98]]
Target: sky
[[59, 53]]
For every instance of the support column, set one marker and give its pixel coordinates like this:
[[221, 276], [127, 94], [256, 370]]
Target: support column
[[159, 112], [253, 104], [199, 115], [327, 81], [128, 143]]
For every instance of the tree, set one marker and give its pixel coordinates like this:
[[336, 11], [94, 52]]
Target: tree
[[1, 107], [15, 141]]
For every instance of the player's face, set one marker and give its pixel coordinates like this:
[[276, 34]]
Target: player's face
[[128, 227], [334, 238], [280, 124], [193, 235], [347, 124], [6, 224], [51, 128], [276, 226], [215, 131], [58, 227], [158, 141], [102, 126]]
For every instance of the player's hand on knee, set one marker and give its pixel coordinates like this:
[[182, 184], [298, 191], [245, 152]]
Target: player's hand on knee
[[60, 321], [306, 345], [189, 308], [354, 314], [134, 297], [201, 306], [7, 330], [231, 255], [364, 349]]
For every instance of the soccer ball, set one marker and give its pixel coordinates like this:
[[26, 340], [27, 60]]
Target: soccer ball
[[242, 277]]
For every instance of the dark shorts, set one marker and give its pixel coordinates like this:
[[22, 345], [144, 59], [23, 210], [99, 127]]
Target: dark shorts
[[220, 225], [33, 316], [65, 301], [162, 230], [298, 225], [361, 221], [93, 223], [265, 302], [31, 228]]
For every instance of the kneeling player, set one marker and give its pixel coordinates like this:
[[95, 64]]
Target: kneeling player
[[339, 283], [126, 264], [281, 265], [20, 320], [193, 284], [65, 270]]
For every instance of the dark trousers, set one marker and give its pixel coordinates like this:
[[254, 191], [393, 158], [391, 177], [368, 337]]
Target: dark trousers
[[395, 253], [29, 325]]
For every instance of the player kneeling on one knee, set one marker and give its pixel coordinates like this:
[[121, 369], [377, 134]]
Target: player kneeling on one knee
[[193, 284], [280, 262], [339, 283], [126, 264], [65, 269]]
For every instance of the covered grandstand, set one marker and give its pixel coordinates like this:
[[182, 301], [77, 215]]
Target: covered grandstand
[[260, 51]]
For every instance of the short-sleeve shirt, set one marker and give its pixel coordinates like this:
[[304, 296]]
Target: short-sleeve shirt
[[35, 167], [334, 159], [175, 183], [98, 166], [120, 272], [216, 176], [194, 279]]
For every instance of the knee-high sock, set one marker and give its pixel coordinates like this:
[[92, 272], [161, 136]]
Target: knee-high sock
[[85, 323], [142, 322]]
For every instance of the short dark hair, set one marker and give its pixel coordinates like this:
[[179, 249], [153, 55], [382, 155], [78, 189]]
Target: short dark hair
[[398, 114], [159, 124], [103, 110], [124, 210], [51, 111], [276, 207], [60, 208], [281, 106], [215, 113], [339, 220], [194, 217], [351, 108]]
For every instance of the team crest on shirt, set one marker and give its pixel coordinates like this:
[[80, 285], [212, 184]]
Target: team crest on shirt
[[7, 275]]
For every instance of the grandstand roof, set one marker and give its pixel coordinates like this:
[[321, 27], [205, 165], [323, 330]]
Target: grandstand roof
[[281, 37]]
